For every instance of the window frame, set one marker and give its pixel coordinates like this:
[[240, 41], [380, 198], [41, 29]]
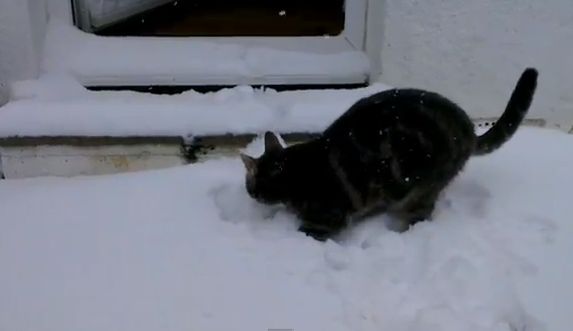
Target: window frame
[[362, 34]]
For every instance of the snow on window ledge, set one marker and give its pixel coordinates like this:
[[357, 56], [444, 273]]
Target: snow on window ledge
[[59, 106], [96, 60]]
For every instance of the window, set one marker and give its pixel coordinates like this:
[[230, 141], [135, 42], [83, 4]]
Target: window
[[221, 18], [216, 42]]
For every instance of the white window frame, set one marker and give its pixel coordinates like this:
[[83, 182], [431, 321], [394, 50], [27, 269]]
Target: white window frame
[[362, 34]]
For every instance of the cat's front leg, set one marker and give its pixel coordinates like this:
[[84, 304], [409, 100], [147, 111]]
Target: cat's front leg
[[323, 228], [317, 233]]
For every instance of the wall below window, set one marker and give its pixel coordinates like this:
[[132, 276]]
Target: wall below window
[[474, 51], [22, 31], [470, 51]]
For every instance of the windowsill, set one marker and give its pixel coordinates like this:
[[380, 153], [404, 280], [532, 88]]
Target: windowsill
[[140, 61]]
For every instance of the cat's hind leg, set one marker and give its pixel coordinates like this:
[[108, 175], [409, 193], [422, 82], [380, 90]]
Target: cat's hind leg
[[417, 210]]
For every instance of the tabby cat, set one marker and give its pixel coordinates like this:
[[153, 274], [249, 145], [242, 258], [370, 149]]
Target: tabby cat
[[392, 152]]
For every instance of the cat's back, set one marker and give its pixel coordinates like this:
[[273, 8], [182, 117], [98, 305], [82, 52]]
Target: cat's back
[[400, 106], [419, 129]]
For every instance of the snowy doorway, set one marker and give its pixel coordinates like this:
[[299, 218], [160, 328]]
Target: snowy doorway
[[184, 43]]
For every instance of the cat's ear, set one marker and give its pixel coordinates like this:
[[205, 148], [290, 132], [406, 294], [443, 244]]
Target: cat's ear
[[272, 143], [249, 162]]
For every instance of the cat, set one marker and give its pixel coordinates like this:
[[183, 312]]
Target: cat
[[392, 152]]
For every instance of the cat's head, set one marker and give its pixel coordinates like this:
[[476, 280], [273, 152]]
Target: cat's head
[[265, 180]]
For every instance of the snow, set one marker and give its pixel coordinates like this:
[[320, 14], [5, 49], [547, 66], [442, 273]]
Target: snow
[[56, 105], [186, 249], [97, 60], [19, 41]]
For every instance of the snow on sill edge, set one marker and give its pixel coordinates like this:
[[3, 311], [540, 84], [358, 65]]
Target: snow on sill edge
[[96, 59], [62, 107]]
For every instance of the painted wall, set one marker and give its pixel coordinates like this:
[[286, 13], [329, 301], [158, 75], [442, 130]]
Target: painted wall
[[21, 40], [474, 51]]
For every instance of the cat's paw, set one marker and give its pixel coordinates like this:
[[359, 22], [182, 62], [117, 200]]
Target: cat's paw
[[319, 235]]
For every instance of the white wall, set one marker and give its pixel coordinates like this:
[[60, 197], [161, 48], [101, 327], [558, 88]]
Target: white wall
[[474, 51], [21, 40]]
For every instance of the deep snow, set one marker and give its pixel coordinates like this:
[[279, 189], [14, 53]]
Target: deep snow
[[186, 249]]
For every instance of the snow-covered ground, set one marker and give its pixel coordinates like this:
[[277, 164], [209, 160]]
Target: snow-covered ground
[[186, 249]]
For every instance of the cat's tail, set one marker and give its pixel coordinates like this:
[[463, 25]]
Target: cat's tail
[[514, 113]]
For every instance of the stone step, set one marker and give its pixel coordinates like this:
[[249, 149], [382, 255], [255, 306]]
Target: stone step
[[55, 127], [67, 156]]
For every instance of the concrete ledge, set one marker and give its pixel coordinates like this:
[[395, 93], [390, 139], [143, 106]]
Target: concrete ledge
[[82, 141], [67, 156]]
